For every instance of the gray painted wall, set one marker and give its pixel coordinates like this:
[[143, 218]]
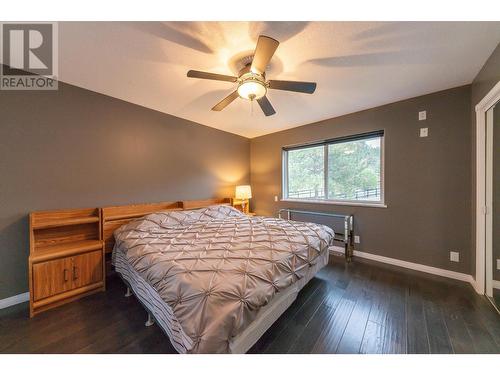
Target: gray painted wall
[[487, 77], [75, 148], [427, 180]]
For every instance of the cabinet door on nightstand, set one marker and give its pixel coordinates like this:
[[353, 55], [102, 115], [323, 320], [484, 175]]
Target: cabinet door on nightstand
[[86, 269], [51, 278]]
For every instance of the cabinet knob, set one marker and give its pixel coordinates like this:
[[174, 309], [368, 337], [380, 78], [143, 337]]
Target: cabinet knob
[[65, 274], [75, 273]]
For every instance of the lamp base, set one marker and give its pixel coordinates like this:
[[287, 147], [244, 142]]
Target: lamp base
[[242, 204]]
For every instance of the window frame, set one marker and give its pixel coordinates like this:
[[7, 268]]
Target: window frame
[[346, 202]]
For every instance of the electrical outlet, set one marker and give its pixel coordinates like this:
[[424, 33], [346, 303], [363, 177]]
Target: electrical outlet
[[454, 256], [424, 132], [498, 264], [275, 198], [422, 115], [357, 239]]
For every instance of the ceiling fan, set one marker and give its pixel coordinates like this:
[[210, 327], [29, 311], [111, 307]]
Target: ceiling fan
[[252, 83]]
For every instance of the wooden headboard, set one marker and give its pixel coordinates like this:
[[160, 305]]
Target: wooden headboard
[[114, 217], [191, 205]]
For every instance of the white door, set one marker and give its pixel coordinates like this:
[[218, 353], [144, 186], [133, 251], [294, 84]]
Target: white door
[[492, 258]]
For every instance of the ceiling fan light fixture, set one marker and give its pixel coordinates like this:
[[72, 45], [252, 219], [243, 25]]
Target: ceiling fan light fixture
[[252, 89], [251, 79]]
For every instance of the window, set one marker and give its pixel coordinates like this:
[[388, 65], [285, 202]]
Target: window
[[348, 169]]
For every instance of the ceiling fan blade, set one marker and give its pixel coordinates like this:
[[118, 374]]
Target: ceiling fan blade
[[226, 101], [266, 106], [264, 51], [206, 75], [304, 87]]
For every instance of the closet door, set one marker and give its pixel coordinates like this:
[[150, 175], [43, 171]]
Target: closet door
[[492, 238]]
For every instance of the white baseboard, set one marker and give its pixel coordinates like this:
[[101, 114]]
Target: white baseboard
[[14, 300], [412, 266]]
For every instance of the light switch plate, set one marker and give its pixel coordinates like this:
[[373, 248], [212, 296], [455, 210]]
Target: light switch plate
[[498, 264], [422, 115], [454, 256], [357, 239], [275, 198], [424, 132]]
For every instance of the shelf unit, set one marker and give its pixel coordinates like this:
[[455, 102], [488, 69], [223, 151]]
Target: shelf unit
[[66, 260]]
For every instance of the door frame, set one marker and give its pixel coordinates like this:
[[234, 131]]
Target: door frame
[[489, 204], [483, 212]]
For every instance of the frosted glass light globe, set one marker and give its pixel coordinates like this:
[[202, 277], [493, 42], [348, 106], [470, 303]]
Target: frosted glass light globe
[[251, 90]]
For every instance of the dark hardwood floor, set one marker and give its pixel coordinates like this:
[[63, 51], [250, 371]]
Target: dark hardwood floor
[[496, 298], [356, 308]]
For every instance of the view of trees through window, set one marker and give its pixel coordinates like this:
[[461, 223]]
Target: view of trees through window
[[306, 171], [353, 171]]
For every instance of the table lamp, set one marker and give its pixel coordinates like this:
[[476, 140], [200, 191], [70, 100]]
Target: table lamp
[[243, 193]]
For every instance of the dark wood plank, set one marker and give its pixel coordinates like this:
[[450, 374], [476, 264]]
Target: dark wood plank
[[307, 339], [489, 317], [482, 340], [352, 338], [298, 322], [380, 307], [283, 321], [395, 322], [347, 308], [417, 338], [333, 330], [457, 331], [148, 341], [373, 339], [439, 341], [117, 336]]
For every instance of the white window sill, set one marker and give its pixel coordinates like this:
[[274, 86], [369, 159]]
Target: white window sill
[[336, 203]]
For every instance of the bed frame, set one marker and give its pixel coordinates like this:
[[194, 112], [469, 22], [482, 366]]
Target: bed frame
[[113, 217]]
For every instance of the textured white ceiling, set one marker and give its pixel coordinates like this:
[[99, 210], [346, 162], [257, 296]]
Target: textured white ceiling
[[357, 65]]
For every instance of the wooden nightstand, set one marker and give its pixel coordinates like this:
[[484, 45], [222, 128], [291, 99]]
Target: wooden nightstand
[[66, 258], [251, 213]]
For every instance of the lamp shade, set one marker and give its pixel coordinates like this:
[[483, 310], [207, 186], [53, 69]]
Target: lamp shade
[[243, 192]]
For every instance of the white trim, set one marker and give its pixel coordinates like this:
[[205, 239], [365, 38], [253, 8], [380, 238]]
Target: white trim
[[14, 300], [412, 266], [489, 203], [496, 284], [382, 173], [338, 203], [486, 103]]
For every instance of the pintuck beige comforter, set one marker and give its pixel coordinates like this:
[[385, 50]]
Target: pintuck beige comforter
[[216, 267]]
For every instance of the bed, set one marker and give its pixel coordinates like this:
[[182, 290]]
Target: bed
[[214, 278]]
